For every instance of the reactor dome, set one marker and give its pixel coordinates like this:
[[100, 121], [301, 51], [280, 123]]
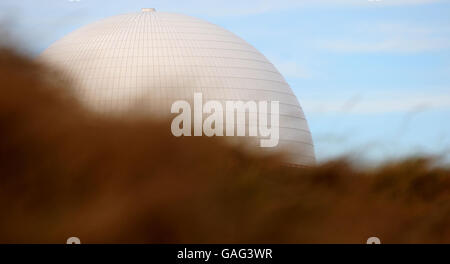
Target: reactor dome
[[151, 59]]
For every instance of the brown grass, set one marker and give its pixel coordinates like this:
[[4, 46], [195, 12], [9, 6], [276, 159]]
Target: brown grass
[[67, 172]]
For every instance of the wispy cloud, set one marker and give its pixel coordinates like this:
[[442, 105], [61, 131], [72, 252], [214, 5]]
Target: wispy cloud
[[379, 103], [390, 37], [406, 45], [291, 69]]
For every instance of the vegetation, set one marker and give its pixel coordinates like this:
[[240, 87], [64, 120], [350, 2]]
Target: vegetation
[[67, 172]]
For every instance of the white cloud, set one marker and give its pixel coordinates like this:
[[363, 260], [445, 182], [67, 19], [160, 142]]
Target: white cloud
[[379, 103], [406, 45], [291, 69], [390, 37]]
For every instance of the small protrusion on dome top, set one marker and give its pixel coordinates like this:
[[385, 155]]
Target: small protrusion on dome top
[[148, 10]]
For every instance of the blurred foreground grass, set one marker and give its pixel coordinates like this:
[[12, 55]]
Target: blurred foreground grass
[[67, 172]]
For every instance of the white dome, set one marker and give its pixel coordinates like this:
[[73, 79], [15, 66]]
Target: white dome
[[154, 58]]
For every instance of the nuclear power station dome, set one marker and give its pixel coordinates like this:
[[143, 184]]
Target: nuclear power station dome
[[149, 59]]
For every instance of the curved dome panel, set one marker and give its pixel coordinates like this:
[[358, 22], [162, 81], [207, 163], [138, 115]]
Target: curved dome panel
[[152, 59]]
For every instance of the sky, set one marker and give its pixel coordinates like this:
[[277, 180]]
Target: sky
[[372, 76]]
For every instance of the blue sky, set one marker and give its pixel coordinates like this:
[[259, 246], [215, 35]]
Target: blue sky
[[373, 77]]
